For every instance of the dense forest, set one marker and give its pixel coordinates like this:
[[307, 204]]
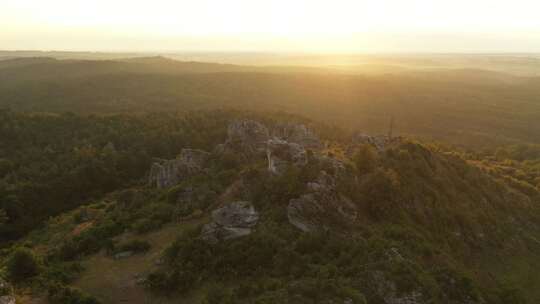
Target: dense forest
[[432, 223], [148, 180], [466, 107]]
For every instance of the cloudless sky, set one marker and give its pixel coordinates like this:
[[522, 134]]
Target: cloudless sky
[[272, 25]]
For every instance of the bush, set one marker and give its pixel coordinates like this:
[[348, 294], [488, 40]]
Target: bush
[[135, 246], [60, 294], [22, 264], [146, 225], [218, 294]]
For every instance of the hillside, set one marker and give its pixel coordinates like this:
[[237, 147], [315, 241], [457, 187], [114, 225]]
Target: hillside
[[466, 107], [273, 208]]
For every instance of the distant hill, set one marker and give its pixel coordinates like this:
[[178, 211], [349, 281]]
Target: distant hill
[[462, 106]]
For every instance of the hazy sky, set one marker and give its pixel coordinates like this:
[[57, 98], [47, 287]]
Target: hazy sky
[[272, 25]]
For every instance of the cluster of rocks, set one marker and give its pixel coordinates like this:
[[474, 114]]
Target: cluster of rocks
[[245, 137], [281, 154], [231, 221], [284, 146], [167, 173], [297, 133]]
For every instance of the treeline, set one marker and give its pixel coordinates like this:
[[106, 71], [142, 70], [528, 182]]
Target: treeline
[[471, 108]]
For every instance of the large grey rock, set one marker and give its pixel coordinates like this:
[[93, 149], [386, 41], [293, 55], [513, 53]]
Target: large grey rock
[[320, 205], [282, 154], [231, 221], [167, 173], [246, 137], [297, 133]]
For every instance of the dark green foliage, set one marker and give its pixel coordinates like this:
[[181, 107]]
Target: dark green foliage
[[61, 272], [146, 225], [365, 159], [218, 294], [135, 246], [22, 265], [60, 294], [89, 241]]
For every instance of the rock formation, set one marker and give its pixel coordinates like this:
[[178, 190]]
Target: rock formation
[[246, 137], [319, 205], [281, 154], [297, 133], [231, 221], [379, 142], [167, 173]]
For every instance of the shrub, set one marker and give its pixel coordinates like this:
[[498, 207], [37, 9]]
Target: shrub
[[218, 294], [22, 264], [365, 159], [60, 294], [146, 225], [136, 246]]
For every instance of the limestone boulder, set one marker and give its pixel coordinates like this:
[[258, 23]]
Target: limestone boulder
[[246, 137], [299, 134], [231, 221], [321, 206], [167, 173], [282, 154]]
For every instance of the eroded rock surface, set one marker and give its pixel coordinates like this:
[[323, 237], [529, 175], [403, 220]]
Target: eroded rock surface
[[281, 154], [246, 137], [167, 173], [297, 133], [321, 204], [231, 221]]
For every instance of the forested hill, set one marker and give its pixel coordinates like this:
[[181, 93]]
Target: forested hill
[[243, 207], [470, 107]]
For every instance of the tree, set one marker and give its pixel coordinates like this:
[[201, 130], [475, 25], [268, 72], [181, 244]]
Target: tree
[[3, 217], [22, 264], [365, 159]]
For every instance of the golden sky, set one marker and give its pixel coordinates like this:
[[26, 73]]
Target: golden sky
[[272, 25]]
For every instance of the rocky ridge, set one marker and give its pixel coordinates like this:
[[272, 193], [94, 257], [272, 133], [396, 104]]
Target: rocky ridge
[[284, 145]]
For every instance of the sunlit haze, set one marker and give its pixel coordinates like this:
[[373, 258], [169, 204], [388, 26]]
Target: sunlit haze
[[277, 25]]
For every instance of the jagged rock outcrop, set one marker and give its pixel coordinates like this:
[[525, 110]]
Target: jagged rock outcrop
[[297, 133], [167, 173], [320, 205], [6, 293], [231, 221], [379, 142], [281, 154], [246, 137]]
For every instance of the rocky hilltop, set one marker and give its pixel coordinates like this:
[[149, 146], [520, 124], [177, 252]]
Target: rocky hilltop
[[274, 213], [284, 146]]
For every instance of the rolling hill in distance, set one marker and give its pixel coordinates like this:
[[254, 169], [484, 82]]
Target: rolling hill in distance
[[437, 97]]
